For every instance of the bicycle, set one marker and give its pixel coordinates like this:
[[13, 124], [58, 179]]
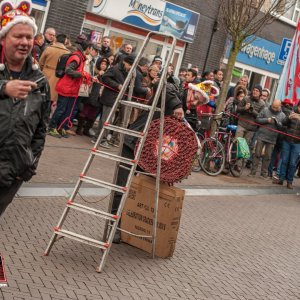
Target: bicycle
[[220, 150]]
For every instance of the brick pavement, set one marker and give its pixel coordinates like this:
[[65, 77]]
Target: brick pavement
[[229, 248]]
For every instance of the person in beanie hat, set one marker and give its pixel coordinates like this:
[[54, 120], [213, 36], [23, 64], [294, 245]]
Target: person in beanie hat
[[157, 60], [24, 101], [113, 81]]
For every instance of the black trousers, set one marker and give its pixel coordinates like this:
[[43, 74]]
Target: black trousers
[[7, 194], [122, 178]]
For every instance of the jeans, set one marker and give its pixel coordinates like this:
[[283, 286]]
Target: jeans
[[289, 155], [7, 194], [275, 153], [105, 113], [62, 112]]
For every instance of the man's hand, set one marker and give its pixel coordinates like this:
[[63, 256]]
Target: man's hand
[[19, 89], [178, 113], [120, 87]]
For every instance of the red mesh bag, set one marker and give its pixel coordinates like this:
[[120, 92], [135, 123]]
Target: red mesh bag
[[179, 148]]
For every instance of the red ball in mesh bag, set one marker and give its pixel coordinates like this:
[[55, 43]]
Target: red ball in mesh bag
[[179, 148]]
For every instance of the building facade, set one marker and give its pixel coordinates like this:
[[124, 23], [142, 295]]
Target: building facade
[[206, 47]]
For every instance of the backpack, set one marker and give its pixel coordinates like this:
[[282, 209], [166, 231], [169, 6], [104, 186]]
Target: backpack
[[60, 69], [243, 150]]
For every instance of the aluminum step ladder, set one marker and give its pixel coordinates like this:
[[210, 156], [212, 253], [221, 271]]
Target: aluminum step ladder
[[112, 220]]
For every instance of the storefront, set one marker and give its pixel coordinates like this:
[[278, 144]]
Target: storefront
[[262, 60], [40, 10], [132, 20]]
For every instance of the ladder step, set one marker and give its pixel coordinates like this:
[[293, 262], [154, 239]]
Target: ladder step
[[123, 130], [108, 185], [92, 211], [114, 157], [138, 105], [80, 238]]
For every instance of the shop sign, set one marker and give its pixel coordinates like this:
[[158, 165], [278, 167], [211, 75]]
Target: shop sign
[[261, 54], [40, 2], [284, 50], [180, 22], [140, 13]]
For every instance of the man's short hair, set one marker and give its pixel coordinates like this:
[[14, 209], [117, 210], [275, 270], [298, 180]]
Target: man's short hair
[[194, 72], [38, 36], [182, 70], [144, 61], [61, 38]]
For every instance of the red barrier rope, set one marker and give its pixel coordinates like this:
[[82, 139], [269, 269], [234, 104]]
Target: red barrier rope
[[254, 123]]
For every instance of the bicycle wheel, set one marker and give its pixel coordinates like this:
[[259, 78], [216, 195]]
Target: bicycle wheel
[[236, 165], [212, 157]]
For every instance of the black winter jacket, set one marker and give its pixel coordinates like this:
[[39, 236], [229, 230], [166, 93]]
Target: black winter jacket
[[22, 128], [172, 102], [293, 128], [139, 90], [113, 78]]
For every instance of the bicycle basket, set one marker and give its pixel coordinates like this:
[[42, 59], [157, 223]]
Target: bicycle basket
[[243, 148], [206, 122]]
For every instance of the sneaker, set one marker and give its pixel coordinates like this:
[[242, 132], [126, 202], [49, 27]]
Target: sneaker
[[289, 186], [105, 145], [92, 132], [277, 181], [251, 175], [264, 176], [53, 132], [63, 133], [70, 132]]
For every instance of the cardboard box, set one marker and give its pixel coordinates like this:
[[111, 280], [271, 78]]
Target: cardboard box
[[137, 216]]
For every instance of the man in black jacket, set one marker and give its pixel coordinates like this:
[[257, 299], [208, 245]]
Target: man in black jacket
[[24, 108], [173, 107], [113, 80]]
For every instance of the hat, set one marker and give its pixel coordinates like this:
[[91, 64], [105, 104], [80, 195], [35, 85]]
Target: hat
[[129, 59], [10, 16], [157, 58], [287, 101], [258, 87], [206, 88]]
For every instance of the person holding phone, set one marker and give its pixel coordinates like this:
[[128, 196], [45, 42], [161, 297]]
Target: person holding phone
[[24, 103]]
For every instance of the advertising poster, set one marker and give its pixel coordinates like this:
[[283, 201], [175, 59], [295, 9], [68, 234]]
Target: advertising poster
[[180, 22], [141, 13]]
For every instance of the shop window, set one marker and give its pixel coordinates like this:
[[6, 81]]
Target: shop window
[[118, 40], [38, 15], [94, 33]]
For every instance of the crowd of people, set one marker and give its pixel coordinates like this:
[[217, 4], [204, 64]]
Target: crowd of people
[[94, 75]]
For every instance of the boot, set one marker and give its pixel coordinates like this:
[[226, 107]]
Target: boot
[[289, 186], [80, 125], [88, 125]]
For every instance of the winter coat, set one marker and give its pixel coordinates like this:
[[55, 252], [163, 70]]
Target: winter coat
[[256, 106], [264, 133], [172, 102], [48, 62], [69, 84], [105, 52], [22, 128], [231, 107], [113, 78], [139, 90], [293, 128]]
